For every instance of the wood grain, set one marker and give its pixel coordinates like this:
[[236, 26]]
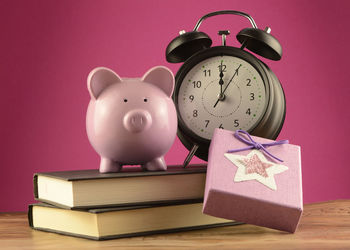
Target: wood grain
[[323, 226]]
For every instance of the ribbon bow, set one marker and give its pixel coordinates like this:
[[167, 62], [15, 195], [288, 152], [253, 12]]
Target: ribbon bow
[[254, 144]]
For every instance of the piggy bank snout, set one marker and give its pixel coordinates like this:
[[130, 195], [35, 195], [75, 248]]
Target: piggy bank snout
[[137, 121]]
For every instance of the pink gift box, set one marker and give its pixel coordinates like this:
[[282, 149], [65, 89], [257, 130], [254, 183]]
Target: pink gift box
[[250, 186]]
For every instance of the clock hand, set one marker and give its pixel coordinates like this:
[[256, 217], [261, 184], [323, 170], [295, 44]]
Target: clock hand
[[221, 81], [236, 73], [221, 96]]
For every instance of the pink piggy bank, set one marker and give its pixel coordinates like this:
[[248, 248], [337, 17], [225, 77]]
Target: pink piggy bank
[[131, 121]]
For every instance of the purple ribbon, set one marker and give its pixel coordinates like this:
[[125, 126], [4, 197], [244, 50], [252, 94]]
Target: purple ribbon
[[254, 144]]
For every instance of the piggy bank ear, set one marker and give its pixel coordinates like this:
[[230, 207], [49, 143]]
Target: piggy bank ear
[[99, 79], [161, 77]]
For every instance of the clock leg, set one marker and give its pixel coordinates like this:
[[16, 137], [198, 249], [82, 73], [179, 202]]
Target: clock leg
[[190, 155], [155, 164], [109, 166]]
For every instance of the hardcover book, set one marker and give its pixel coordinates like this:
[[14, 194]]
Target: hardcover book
[[131, 186], [118, 222]]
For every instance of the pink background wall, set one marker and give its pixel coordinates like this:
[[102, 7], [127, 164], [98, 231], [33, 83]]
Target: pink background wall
[[49, 47]]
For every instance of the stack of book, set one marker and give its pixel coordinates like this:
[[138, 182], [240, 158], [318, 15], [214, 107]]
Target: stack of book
[[86, 203]]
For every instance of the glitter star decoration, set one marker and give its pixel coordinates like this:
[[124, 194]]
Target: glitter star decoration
[[255, 166]]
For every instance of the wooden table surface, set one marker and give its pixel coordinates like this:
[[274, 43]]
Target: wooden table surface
[[323, 226]]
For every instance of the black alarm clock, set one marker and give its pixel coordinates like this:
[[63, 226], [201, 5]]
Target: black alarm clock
[[225, 87]]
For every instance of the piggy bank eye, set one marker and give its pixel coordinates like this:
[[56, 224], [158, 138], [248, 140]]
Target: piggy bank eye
[[125, 100], [145, 100]]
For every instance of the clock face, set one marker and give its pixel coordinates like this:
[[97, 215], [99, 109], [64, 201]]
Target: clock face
[[221, 92]]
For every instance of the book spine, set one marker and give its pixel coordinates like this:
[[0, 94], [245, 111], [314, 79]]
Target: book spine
[[30, 215], [35, 184]]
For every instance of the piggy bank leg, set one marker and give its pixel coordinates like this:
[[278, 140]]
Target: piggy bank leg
[[155, 164], [109, 166]]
